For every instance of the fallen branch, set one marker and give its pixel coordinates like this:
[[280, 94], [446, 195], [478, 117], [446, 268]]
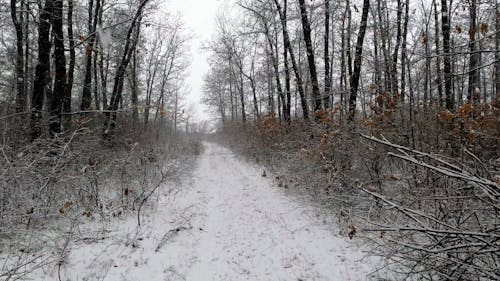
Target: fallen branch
[[171, 233]]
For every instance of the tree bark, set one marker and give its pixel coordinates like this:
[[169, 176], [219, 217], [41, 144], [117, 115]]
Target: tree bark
[[298, 76], [395, 54], [92, 25], [130, 44], [97, 97], [103, 71], [343, 65], [474, 57], [497, 53], [71, 66], [445, 29], [133, 93], [58, 94], [354, 82], [21, 98], [306, 29], [287, 95], [439, 73], [382, 26], [87, 82], [242, 96], [403, 55], [41, 70], [326, 56]]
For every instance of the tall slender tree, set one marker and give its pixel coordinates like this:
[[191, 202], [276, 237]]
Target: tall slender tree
[[474, 57], [497, 52], [298, 76], [72, 61], [445, 29], [42, 69], [21, 98], [306, 29], [326, 56], [354, 82], [59, 92], [93, 15]]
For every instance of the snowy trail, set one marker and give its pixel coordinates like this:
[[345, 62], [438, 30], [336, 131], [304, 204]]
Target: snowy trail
[[233, 225], [254, 232]]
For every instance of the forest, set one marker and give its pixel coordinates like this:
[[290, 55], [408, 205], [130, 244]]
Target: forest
[[384, 115], [385, 111]]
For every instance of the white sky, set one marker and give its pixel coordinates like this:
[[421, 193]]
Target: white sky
[[199, 17]]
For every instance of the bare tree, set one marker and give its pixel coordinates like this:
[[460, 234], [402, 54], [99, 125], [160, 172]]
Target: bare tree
[[130, 44], [474, 57], [42, 69], [445, 29], [354, 83], [21, 98], [59, 92], [497, 53], [306, 29]]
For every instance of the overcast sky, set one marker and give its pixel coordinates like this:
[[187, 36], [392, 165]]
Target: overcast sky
[[199, 16]]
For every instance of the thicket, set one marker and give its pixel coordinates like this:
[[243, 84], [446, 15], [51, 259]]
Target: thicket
[[387, 112], [52, 185], [424, 195]]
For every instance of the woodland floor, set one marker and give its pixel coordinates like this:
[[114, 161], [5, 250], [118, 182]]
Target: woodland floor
[[225, 222]]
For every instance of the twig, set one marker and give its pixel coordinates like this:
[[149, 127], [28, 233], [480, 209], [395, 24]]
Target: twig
[[160, 182], [480, 162], [171, 233], [449, 173]]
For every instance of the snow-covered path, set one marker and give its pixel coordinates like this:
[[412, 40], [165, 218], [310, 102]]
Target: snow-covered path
[[254, 232], [227, 223]]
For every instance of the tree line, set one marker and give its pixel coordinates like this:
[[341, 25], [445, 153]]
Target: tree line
[[384, 112], [65, 60], [357, 58]]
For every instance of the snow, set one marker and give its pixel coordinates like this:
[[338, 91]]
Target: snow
[[226, 222]]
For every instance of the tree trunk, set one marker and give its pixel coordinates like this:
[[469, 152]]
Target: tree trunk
[[21, 98], [383, 39], [92, 27], [97, 98], [287, 95], [326, 56], [474, 57], [395, 54], [376, 52], [133, 93], [306, 29], [439, 74], [87, 82], [298, 76], [71, 66], [343, 65], [104, 79], [130, 44], [403, 54], [27, 57], [354, 82], [427, 92], [445, 29], [242, 96], [58, 94], [41, 70], [231, 94], [497, 53], [270, 85], [103, 72]]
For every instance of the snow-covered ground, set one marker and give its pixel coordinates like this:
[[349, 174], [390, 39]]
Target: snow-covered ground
[[226, 223]]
